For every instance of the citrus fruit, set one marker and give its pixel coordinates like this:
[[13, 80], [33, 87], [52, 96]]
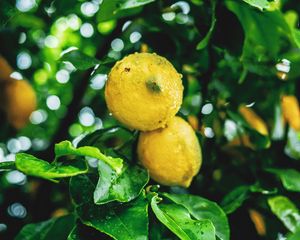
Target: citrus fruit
[[291, 111], [171, 154], [144, 91], [253, 120], [19, 102]]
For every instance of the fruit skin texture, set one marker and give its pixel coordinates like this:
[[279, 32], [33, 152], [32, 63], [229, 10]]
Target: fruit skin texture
[[171, 154], [144, 91], [253, 120], [19, 102], [291, 111]]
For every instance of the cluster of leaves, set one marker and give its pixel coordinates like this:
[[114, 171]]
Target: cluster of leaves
[[230, 53], [113, 200]]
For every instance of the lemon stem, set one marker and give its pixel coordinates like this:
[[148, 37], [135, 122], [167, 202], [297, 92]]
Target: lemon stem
[[153, 86]]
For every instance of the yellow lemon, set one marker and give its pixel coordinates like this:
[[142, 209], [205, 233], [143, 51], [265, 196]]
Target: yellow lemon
[[291, 111], [144, 91], [171, 154], [253, 120], [5, 70], [20, 102]]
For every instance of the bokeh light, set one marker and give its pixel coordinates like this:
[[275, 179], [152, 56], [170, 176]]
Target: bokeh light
[[62, 76], [87, 30], [135, 37], [38, 116], [117, 44], [24, 60], [53, 102], [86, 117], [98, 81], [16, 177], [207, 109], [25, 5], [17, 210]]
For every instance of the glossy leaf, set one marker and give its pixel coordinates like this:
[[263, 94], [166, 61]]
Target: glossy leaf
[[54, 228], [179, 221], [79, 60], [120, 221], [259, 50], [295, 236], [66, 148], [111, 9], [6, 166], [286, 211], [260, 4], [234, 199], [121, 187], [33, 166], [204, 42], [291, 148], [134, 3], [290, 178], [201, 208]]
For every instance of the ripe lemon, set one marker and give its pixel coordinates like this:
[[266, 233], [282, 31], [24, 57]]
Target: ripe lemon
[[171, 154], [291, 111], [253, 120], [19, 102], [5, 70], [144, 91]]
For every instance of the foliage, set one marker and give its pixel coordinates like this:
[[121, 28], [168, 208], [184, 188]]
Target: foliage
[[231, 53]]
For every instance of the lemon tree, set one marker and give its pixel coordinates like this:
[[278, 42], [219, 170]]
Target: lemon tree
[[149, 119]]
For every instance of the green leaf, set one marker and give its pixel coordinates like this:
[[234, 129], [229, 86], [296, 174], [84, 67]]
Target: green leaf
[[103, 138], [296, 35], [201, 208], [6, 166], [204, 42], [120, 221], [235, 199], [119, 187], [66, 148], [290, 178], [286, 211], [134, 3], [28, 20], [262, 30], [54, 228], [179, 221], [291, 148], [258, 140], [295, 236], [260, 4], [33, 166], [112, 9], [74, 234], [83, 232], [79, 60]]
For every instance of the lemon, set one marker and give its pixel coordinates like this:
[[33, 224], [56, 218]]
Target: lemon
[[291, 111], [253, 120], [5, 70], [144, 91], [171, 154], [19, 102]]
